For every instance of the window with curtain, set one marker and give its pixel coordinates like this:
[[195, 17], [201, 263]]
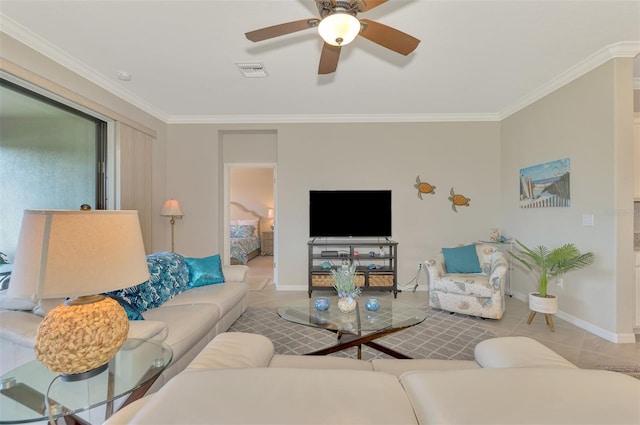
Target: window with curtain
[[51, 157]]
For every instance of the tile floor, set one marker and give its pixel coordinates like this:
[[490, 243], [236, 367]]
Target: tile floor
[[575, 344]]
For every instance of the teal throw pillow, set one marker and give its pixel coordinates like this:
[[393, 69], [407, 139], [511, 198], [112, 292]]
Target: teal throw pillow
[[463, 259], [205, 271]]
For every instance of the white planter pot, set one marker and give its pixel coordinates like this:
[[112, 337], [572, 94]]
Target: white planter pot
[[548, 305]]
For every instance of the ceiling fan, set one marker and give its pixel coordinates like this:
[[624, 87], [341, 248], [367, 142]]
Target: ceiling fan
[[338, 26]]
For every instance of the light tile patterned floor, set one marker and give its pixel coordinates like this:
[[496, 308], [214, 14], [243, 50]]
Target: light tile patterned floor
[[575, 344]]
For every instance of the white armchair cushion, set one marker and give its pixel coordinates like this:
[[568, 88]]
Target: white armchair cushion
[[230, 350], [278, 396], [517, 351], [148, 329], [235, 273], [523, 396], [15, 303], [188, 324], [19, 327], [475, 284]]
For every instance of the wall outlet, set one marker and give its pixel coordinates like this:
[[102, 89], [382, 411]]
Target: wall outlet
[[560, 282]]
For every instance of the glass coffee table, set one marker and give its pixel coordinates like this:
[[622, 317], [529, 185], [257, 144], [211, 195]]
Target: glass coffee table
[[131, 372], [357, 328]]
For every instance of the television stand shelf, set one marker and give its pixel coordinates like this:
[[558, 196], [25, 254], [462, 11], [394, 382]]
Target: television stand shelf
[[376, 263]]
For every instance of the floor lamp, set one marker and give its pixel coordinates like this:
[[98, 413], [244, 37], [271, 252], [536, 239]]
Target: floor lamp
[[171, 209]]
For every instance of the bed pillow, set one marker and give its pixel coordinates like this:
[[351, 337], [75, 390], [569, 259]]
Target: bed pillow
[[253, 222], [241, 231], [205, 271], [462, 259]]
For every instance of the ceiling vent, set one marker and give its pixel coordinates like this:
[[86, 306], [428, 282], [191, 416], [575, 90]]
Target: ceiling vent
[[252, 70]]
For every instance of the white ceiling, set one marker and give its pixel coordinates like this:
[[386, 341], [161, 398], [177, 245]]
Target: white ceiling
[[477, 60]]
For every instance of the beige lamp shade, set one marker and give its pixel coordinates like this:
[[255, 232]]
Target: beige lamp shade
[[79, 254], [171, 208], [64, 253]]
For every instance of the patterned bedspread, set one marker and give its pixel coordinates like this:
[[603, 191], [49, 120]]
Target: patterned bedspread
[[241, 247]]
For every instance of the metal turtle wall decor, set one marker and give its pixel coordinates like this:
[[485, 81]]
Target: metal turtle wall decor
[[458, 200], [424, 187]]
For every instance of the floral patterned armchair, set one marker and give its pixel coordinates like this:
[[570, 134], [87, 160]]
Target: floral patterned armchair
[[479, 293]]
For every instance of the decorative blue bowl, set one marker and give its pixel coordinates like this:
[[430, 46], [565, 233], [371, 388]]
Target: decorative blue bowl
[[372, 304], [322, 304]]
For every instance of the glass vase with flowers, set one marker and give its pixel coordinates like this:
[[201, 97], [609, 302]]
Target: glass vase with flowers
[[344, 281]]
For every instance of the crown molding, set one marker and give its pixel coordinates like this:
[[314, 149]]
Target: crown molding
[[22, 34], [623, 49], [42, 46], [340, 118]]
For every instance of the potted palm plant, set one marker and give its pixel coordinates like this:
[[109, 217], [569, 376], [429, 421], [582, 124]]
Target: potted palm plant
[[549, 263]]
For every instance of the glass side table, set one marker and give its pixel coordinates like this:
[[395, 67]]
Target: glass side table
[[131, 372]]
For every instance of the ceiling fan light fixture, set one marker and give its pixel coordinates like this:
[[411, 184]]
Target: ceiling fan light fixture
[[339, 28]]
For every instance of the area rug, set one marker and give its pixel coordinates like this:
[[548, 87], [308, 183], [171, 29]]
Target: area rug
[[627, 370], [257, 283], [440, 336]]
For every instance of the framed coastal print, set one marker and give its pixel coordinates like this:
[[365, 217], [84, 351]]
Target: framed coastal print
[[545, 185]]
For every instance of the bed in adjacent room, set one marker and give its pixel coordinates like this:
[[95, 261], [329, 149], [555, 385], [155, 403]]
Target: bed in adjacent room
[[244, 234]]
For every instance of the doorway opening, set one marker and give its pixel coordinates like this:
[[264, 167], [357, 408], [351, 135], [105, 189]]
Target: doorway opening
[[250, 220]]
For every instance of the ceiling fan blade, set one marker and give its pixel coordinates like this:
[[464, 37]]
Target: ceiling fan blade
[[370, 4], [388, 37], [329, 59], [281, 29]]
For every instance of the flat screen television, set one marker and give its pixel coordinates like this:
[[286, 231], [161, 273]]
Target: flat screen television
[[349, 213]]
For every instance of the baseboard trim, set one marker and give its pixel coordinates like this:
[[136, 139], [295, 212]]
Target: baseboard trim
[[292, 288], [626, 338]]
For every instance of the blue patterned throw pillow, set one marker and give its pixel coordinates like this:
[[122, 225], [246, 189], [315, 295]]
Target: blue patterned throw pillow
[[205, 271], [132, 312], [168, 276], [463, 259]]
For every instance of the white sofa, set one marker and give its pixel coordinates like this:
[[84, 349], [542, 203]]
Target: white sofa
[[237, 379], [186, 322]]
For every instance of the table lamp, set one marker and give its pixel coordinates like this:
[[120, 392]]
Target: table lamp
[[270, 215], [171, 209], [79, 254]]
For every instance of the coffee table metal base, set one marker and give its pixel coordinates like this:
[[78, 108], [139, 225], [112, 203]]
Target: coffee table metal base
[[348, 340]]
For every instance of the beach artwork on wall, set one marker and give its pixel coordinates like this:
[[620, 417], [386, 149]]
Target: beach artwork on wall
[[545, 185]]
